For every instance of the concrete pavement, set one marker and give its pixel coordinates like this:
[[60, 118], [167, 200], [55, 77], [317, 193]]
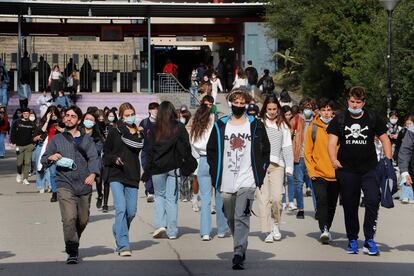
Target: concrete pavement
[[31, 242]]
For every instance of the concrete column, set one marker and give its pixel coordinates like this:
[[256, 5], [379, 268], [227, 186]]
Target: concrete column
[[138, 82], [98, 82], [118, 82], [15, 80], [36, 80]]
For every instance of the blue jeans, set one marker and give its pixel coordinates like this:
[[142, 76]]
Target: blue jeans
[[204, 182], [166, 198], [194, 93], [52, 175], [45, 175], [125, 203], [3, 95], [149, 187], [300, 174], [2, 145]]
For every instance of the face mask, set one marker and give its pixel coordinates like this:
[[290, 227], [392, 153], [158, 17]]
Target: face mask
[[88, 123], [238, 111], [213, 109], [54, 118], [409, 125], [111, 118], [183, 120], [32, 118], [393, 121], [129, 120], [308, 113], [271, 117], [355, 112], [326, 121], [66, 163], [153, 116]]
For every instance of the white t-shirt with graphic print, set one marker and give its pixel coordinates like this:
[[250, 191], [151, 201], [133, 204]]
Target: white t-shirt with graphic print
[[237, 163]]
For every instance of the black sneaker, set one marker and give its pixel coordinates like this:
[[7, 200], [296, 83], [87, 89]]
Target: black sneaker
[[300, 214], [99, 202], [72, 259], [238, 262], [105, 209], [54, 197]]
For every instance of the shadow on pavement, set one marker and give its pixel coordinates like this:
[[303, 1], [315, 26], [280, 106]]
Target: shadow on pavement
[[6, 254], [124, 266], [96, 218]]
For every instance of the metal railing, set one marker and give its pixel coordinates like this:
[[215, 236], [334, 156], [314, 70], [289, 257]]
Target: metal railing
[[168, 83]]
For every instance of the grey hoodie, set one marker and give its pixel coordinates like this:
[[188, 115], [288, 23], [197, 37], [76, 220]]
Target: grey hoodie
[[405, 156], [68, 178]]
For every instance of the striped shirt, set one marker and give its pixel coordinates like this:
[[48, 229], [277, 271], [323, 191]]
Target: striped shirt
[[281, 152]]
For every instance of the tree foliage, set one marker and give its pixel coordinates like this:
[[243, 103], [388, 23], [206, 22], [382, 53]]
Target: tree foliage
[[342, 43]]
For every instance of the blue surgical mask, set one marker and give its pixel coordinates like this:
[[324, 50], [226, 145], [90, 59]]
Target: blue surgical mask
[[308, 113], [111, 118], [129, 120], [355, 112], [88, 123], [65, 162], [326, 121]]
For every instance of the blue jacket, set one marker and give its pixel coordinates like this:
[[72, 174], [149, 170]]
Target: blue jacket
[[387, 181], [260, 150]]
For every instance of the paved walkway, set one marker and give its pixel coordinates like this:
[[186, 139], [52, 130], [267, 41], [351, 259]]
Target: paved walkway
[[31, 242]]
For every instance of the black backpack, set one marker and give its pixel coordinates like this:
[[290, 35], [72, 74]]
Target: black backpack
[[268, 84]]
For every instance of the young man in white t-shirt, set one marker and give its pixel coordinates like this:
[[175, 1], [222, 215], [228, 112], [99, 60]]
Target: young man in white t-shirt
[[238, 154]]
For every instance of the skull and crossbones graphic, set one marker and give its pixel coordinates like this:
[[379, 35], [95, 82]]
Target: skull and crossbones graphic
[[356, 130]]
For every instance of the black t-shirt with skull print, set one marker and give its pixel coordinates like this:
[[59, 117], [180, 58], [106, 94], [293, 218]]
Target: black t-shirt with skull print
[[356, 141]]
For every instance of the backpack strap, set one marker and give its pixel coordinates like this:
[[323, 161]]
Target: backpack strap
[[77, 147]]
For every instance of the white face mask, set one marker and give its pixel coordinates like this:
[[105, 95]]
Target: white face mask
[[32, 118], [393, 121], [182, 120]]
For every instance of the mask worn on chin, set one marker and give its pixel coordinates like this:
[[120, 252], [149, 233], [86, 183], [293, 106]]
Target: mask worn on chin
[[129, 120], [308, 113], [238, 111], [326, 121], [153, 118], [393, 121], [355, 112], [213, 109], [65, 162]]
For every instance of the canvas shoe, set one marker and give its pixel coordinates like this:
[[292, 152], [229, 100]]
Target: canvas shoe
[[325, 237], [269, 238], [26, 182], [370, 248], [292, 206], [125, 253], [277, 236], [19, 178], [352, 247], [404, 201], [205, 238], [159, 233]]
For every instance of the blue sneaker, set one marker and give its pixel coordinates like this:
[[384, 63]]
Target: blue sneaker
[[370, 248], [352, 247]]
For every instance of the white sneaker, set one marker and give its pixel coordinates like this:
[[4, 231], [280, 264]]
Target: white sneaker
[[26, 182], [159, 233], [325, 237], [205, 238], [194, 202], [269, 238], [221, 235], [19, 178], [404, 201], [292, 206], [283, 206], [150, 198], [42, 191], [172, 237], [411, 201], [277, 236], [213, 210]]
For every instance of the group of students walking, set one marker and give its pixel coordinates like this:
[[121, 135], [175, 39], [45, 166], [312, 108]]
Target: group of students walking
[[237, 159]]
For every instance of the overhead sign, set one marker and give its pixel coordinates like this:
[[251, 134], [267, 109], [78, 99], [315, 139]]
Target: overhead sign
[[189, 38], [218, 39]]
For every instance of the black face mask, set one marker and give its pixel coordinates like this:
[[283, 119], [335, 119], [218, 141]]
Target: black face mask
[[238, 111]]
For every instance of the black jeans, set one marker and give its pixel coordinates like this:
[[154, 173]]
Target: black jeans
[[350, 189], [326, 193]]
